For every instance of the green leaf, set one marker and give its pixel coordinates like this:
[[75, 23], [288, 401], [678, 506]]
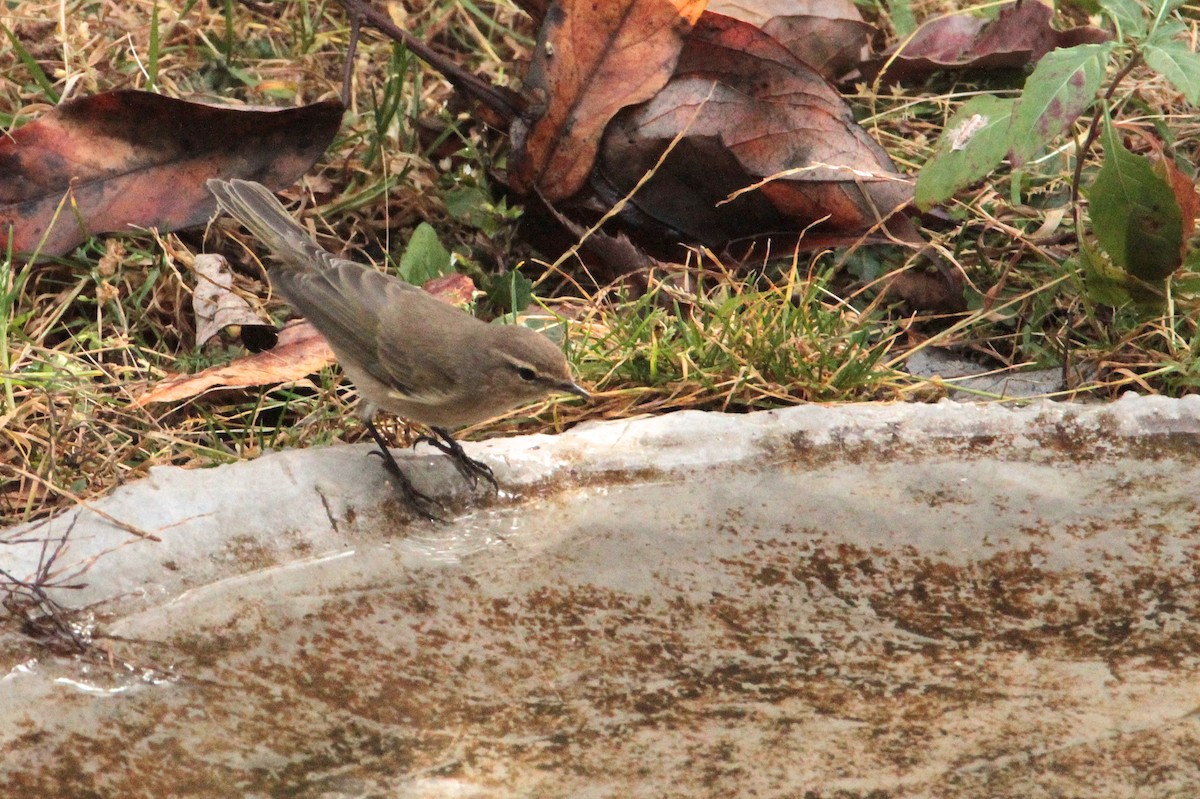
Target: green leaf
[[466, 203], [1135, 215], [1161, 10], [1102, 282], [974, 143], [904, 21], [1171, 29], [1129, 15], [425, 258], [511, 291], [1062, 85], [1176, 62]]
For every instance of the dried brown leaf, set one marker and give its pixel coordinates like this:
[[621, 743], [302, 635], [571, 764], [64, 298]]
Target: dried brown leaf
[[592, 60], [126, 159], [828, 35], [300, 352], [1021, 34], [751, 113], [455, 288], [215, 303]]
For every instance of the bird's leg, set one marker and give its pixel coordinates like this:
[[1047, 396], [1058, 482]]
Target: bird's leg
[[423, 504], [468, 467]]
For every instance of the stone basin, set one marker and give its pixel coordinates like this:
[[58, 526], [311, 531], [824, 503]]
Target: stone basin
[[871, 601]]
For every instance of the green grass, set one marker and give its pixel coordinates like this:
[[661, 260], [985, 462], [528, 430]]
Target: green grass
[[737, 345]]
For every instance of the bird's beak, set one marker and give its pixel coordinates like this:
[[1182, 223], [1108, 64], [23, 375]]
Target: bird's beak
[[574, 388]]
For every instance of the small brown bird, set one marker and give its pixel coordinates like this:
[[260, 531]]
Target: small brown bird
[[406, 351]]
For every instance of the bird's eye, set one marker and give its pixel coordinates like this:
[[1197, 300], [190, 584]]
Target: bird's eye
[[526, 373]]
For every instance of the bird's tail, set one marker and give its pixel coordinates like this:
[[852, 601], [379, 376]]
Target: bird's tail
[[255, 207]]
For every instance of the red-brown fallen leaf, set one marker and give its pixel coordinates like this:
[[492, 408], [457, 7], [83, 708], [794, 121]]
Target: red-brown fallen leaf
[[1184, 189], [592, 60], [828, 35], [1020, 35], [924, 291], [129, 159], [300, 351], [751, 112], [455, 288]]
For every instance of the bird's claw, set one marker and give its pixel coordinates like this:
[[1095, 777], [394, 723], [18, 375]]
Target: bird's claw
[[470, 469], [421, 503]]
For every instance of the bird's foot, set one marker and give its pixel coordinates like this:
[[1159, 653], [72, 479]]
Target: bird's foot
[[471, 469], [423, 504]]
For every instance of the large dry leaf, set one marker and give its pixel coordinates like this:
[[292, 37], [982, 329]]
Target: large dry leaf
[[301, 351], [592, 60], [1020, 35], [828, 35], [126, 159], [751, 111]]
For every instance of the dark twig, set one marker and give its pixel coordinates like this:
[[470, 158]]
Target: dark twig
[[41, 617], [506, 104]]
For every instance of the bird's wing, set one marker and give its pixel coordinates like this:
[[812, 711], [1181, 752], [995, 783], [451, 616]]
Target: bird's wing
[[346, 303], [446, 366]]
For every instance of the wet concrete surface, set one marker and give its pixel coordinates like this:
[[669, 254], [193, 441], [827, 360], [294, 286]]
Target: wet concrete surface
[[953, 602]]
